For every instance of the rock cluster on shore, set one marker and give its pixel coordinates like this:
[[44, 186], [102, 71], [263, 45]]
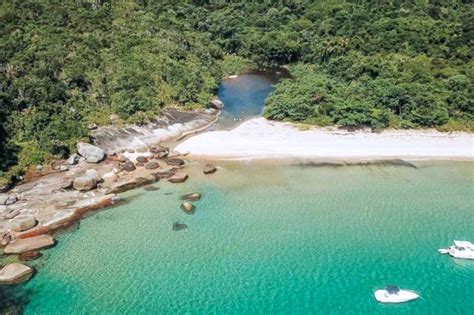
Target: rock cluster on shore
[[58, 196]]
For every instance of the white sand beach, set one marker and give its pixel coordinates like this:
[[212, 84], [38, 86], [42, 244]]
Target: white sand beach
[[260, 138]]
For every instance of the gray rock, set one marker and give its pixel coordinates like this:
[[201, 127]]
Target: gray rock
[[130, 151], [141, 159], [66, 183], [188, 207], [90, 152], [217, 104], [92, 173], [73, 159], [10, 200], [28, 244], [20, 225], [63, 168], [174, 162], [39, 167], [84, 183], [178, 177], [162, 155], [12, 214], [15, 273], [92, 126], [152, 165], [209, 169], [191, 197], [129, 166]]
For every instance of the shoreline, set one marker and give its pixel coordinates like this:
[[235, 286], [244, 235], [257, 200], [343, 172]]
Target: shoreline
[[261, 139]]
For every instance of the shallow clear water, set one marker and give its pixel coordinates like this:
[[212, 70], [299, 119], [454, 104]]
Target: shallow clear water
[[271, 239], [244, 97]]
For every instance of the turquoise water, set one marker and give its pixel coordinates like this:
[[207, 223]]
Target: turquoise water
[[270, 239], [244, 97]]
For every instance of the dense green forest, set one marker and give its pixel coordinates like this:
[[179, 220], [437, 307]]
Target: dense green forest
[[65, 64]]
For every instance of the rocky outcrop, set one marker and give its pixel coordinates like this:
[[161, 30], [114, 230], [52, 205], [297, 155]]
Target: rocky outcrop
[[178, 177], [188, 207], [209, 169], [172, 124], [130, 184], [8, 200], [31, 255], [28, 244], [152, 165], [90, 152], [92, 173], [83, 183], [191, 197], [15, 273]]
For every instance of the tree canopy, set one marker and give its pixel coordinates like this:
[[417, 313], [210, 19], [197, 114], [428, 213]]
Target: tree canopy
[[65, 64]]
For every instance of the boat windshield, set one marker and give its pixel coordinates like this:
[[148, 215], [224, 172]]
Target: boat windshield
[[392, 289]]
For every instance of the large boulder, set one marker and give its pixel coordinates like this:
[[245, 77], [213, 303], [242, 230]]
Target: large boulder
[[20, 225], [90, 152], [209, 169], [92, 173], [174, 162], [28, 244], [178, 177], [83, 183], [15, 273], [217, 104]]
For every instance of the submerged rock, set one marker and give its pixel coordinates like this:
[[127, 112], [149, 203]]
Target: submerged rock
[[15, 273], [209, 169], [191, 197], [179, 226], [31, 255], [28, 244], [188, 207], [151, 188], [83, 183], [178, 177], [90, 152]]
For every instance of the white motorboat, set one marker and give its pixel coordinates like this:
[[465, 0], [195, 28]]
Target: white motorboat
[[393, 294], [460, 249]]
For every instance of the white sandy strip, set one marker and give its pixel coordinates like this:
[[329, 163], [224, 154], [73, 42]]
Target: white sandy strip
[[260, 139]]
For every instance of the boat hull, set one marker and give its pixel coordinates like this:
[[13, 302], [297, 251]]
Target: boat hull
[[403, 296]]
